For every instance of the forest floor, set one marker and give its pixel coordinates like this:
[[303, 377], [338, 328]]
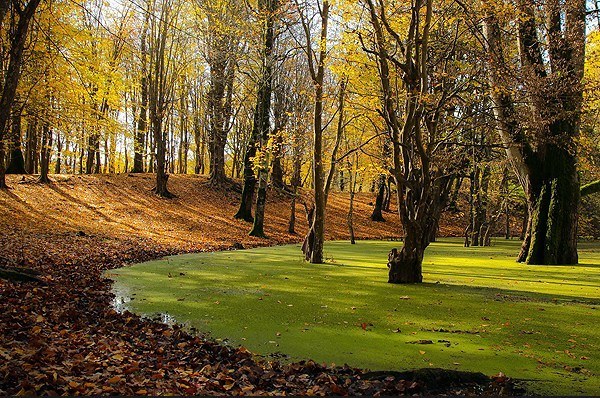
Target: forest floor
[[62, 335]]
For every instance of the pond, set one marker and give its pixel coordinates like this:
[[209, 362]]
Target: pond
[[478, 310]]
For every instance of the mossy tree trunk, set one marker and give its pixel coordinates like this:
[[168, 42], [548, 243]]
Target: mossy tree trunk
[[553, 198], [542, 144]]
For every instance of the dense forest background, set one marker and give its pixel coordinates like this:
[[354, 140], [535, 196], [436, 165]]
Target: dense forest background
[[417, 102]]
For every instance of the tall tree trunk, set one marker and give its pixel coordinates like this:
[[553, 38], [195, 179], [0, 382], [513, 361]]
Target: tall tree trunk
[[59, 143], [222, 72], [13, 72], [142, 125], [30, 145], [245, 210], [292, 222], [268, 8], [313, 243], [45, 153], [162, 178], [377, 215], [17, 161]]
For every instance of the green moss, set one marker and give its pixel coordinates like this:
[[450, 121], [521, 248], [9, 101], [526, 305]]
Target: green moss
[[482, 310]]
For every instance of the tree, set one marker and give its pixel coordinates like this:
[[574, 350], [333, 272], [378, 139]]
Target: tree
[[542, 145], [423, 164], [261, 124], [17, 41], [221, 53], [166, 64], [268, 8], [142, 122], [313, 243]]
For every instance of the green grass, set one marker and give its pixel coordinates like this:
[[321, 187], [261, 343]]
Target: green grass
[[483, 311]]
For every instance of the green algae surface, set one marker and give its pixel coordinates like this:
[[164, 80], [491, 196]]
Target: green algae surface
[[477, 310]]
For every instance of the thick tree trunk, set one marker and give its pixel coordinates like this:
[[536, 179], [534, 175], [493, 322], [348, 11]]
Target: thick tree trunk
[[308, 246], [406, 266], [377, 215], [31, 146], [313, 243], [268, 8], [277, 168], [260, 129], [222, 72], [388, 194], [553, 213]]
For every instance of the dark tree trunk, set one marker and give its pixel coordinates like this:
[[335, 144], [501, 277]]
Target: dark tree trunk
[[31, 146], [260, 127], [387, 199], [222, 71], [453, 206], [377, 215], [13, 72], [142, 125], [309, 241], [17, 161], [506, 220], [245, 210], [91, 154], [406, 266], [277, 172], [350, 220], [292, 223], [475, 206], [295, 182], [57, 166], [313, 243], [2, 166], [259, 220], [553, 212], [162, 178], [45, 154]]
